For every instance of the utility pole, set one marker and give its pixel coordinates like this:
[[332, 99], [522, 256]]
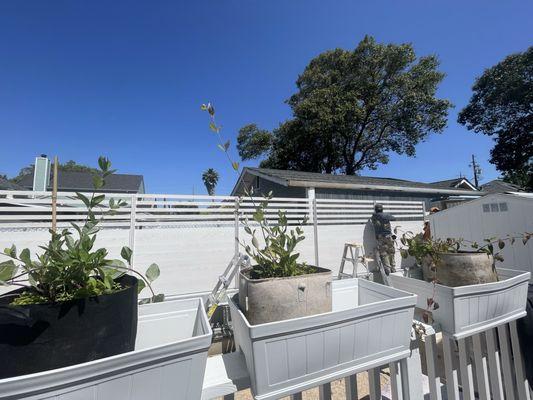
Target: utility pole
[[477, 171]]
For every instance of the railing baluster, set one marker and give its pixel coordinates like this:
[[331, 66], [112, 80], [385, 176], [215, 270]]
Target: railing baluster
[[395, 381], [505, 354], [482, 374], [374, 383], [324, 391], [452, 382], [431, 355], [521, 381], [465, 367], [495, 372], [350, 383]]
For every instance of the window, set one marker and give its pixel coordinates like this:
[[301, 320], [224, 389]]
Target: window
[[494, 207], [486, 207], [503, 207]]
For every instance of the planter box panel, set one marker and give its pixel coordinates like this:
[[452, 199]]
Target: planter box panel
[[168, 362], [466, 310], [370, 325]]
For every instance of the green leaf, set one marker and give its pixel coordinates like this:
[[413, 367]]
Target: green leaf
[[98, 182], [83, 198], [226, 145], [141, 285], [25, 256], [152, 273], [126, 254], [104, 163], [501, 244], [213, 127], [255, 243], [8, 270], [97, 199], [235, 165]]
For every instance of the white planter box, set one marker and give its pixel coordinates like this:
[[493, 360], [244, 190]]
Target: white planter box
[[466, 310], [369, 326], [168, 362]]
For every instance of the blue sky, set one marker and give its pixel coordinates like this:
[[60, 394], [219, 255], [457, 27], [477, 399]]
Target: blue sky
[[126, 79]]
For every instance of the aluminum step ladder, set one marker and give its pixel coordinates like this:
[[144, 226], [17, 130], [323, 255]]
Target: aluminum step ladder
[[355, 253], [219, 291]]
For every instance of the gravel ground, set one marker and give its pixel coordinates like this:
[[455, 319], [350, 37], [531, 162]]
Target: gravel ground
[[337, 389]]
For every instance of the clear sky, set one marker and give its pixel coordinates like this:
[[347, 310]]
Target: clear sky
[[126, 79]]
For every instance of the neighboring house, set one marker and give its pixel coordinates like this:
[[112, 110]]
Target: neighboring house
[[285, 183], [68, 181], [499, 186]]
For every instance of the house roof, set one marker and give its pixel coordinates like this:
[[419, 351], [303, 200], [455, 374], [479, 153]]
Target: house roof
[[499, 186], [454, 183], [8, 185], [83, 181], [313, 179]]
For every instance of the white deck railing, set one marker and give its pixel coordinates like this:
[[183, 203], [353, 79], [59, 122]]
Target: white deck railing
[[484, 366]]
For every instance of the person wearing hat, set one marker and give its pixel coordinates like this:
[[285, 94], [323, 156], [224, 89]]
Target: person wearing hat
[[385, 238]]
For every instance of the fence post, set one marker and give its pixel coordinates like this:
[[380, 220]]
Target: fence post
[[315, 227], [236, 224], [133, 211]]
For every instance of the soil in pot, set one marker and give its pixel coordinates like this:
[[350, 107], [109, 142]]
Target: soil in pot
[[276, 299], [461, 269], [41, 337]]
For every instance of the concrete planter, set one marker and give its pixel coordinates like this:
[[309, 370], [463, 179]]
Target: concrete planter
[[466, 310], [463, 268], [168, 362], [369, 326], [276, 299]]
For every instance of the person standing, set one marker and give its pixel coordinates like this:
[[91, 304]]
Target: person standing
[[385, 238]]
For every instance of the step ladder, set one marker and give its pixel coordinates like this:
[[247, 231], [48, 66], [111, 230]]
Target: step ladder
[[218, 294], [354, 253]]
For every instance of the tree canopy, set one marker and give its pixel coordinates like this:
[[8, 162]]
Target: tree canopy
[[351, 109], [502, 107], [210, 178]]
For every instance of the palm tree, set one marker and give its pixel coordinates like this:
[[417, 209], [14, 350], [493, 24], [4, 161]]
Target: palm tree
[[210, 178]]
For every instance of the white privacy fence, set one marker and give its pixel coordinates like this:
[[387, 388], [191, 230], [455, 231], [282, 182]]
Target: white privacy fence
[[192, 238]]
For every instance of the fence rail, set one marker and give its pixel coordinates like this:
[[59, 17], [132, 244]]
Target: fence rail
[[26, 209]]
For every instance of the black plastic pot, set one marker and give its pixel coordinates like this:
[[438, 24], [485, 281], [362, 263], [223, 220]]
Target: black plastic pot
[[41, 337]]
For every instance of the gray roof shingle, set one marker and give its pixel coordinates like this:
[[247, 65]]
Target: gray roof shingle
[[310, 177], [499, 186], [83, 181]]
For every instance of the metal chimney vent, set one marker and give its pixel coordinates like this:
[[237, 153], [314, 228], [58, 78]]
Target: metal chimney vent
[[41, 174]]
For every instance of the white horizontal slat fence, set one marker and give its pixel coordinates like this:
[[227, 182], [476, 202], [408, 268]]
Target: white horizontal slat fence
[[193, 237]]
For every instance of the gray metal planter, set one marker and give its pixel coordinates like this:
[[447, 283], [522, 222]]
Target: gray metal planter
[[168, 362], [369, 326], [466, 310], [276, 299]]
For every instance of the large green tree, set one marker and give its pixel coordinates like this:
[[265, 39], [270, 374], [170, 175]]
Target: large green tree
[[502, 107], [351, 109]]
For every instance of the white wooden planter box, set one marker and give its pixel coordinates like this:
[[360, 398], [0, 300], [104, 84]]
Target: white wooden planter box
[[369, 326], [467, 310], [168, 362]]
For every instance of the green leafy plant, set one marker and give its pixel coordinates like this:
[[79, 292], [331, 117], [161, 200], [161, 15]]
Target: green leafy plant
[[69, 267], [277, 256]]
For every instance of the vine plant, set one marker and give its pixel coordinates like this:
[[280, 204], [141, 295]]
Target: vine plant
[[277, 257], [430, 250], [69, 267]]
